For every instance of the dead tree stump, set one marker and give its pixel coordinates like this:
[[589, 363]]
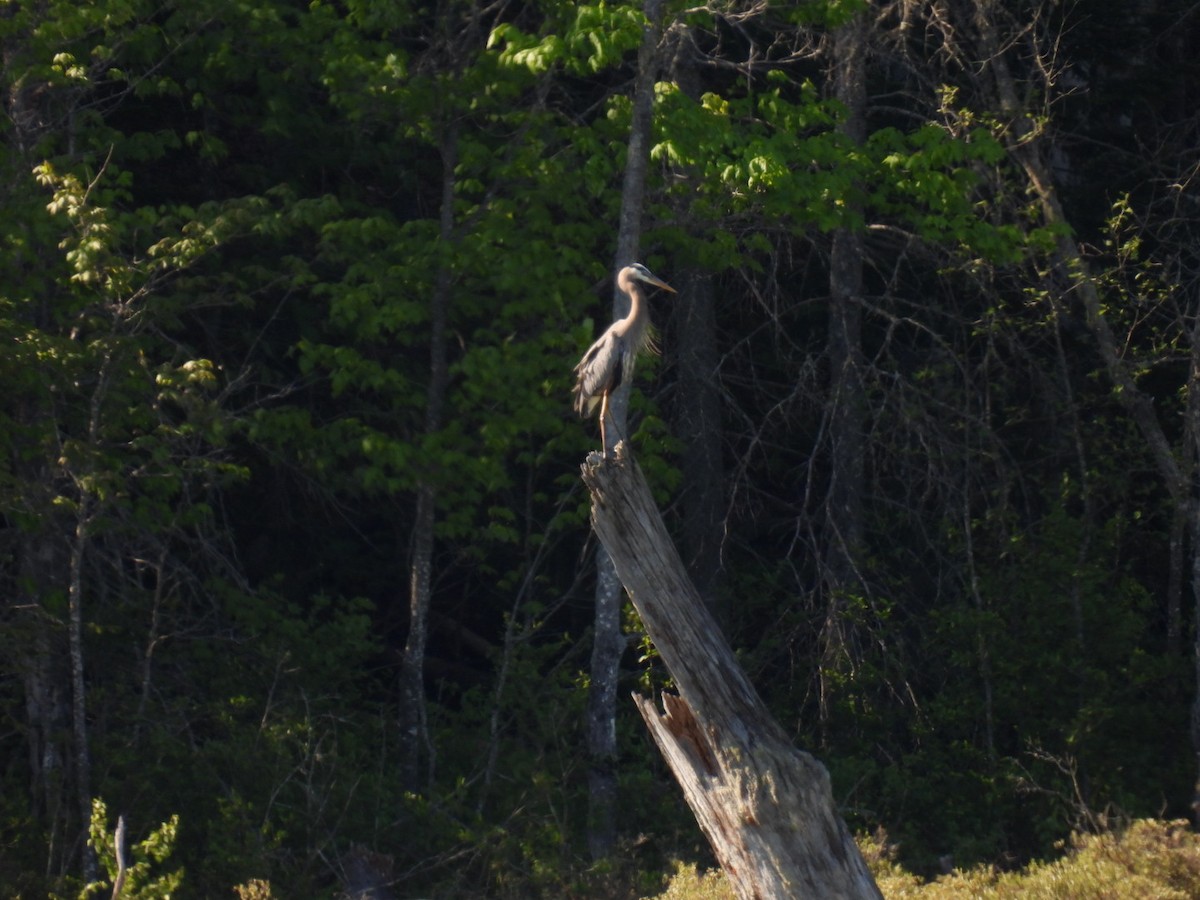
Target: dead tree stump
[[766, 808]]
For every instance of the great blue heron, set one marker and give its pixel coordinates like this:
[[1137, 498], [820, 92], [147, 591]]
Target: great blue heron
[[610, 360]]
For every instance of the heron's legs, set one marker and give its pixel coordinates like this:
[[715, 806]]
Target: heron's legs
[[603, 416]]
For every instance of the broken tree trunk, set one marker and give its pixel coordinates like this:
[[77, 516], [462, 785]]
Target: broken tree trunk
[[766, 808]]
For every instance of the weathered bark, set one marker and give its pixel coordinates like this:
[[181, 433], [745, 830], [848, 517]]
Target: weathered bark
[[608, 643], [119, 850], [766, 808]]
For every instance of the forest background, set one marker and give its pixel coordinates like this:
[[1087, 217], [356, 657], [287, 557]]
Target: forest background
[[292, 540]]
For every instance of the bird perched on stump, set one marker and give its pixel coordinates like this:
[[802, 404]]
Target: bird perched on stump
[[610, 360]]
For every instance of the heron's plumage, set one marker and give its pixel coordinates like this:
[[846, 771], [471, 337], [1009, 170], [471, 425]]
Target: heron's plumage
[[610, 360], [602, 369]]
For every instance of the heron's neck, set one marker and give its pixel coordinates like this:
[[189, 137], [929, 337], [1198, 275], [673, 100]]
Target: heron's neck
[[636, 306], [634, 324]]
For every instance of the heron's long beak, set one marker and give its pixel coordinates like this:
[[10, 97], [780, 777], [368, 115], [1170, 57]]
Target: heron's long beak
[[658, 282]]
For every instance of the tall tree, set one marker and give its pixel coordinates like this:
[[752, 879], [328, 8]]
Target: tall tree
[[696, 408], [608, 643], [89, 438], [413, 719], [1027, 142], [843, 559]]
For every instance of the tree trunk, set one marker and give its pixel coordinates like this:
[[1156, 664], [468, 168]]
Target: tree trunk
[[608, 642], [413, 730], [842, 548], [41, 573], [698, 424], [414, 735], [1025, 147], [40, 554], [766, 808], [697, 406], [1192, 437], [79, 729], [87, 502], [847, 404]]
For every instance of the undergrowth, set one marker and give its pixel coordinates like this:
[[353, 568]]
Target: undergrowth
[[1148, 860]]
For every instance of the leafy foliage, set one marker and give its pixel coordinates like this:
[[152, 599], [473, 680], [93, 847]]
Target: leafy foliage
[[226, 226], [135, 877]]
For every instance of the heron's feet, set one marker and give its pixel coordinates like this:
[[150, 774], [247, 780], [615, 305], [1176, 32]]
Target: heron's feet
[[599, 457]]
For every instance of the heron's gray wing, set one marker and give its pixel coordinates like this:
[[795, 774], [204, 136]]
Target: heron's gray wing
[[601, 369]]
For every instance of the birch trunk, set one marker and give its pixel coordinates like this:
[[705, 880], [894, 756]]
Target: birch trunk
[[412, 667], [608, 643]]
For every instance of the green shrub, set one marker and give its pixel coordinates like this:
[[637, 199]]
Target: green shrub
[[688, 883], [1148, 860]]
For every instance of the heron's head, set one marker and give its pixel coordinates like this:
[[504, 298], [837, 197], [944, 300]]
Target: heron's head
[[639, 272]]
